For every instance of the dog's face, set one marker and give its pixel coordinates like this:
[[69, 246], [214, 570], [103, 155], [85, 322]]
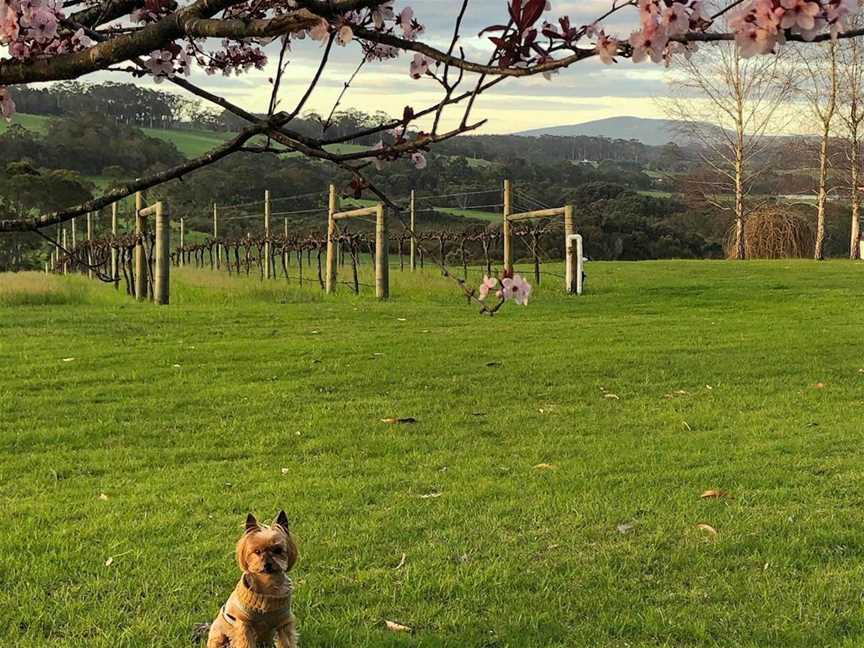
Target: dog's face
[[266, 549]]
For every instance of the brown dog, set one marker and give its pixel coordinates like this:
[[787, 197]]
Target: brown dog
[[259, 609]]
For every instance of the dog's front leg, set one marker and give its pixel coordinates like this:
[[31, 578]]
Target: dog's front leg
[[243, 636], [286, 636]]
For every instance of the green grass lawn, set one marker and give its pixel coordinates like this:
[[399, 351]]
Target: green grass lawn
[[134, 439]]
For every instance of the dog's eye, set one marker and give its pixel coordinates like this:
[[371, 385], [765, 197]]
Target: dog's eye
[[257, 552]]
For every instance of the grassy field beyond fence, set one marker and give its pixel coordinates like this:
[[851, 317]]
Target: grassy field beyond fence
[[547, 495]]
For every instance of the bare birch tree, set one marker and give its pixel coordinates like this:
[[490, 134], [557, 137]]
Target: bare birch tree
[[819, 88], [851, 78], [727, 104]]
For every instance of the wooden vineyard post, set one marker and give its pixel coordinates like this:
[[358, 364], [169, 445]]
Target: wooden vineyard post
[[572, 241], [508, 243], [268, 248], [286, 256], [65, 268], [115, 270], [89, 242], [140, 260], [163, 254], [216, 232], [74, 234], [382, 262], [162, 265], [330, 275], [382, 244], [413, 235], [182, 241]]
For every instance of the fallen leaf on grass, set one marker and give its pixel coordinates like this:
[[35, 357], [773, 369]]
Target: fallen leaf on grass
[[401, 562], [625, 527], [285, 471], [103, 497], [545, 466], [396, 627], [686, 426], [707, 528], [397, 421], [612, 396], [110, 561], [68, 359], [713, 493], [429, 495], [176, 366], [401, 319], [819, 386]]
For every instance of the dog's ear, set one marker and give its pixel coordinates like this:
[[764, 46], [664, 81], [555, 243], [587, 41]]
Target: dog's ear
[[251, 524], [282, 522]]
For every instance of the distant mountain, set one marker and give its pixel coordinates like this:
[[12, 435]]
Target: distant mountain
[[652, 132]]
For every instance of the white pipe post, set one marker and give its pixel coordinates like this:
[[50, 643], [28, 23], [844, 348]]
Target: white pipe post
[[574, 263]]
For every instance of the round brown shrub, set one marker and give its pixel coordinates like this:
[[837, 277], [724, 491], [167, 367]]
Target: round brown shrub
[[775, 232]]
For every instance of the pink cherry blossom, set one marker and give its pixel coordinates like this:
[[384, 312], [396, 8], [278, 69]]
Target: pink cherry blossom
[[345, 35], [381, 14], [320, 31], [419, 160], [410, 27], [7, 106], [42, 25], [517, 289], [675, 20], [489, 284], [606, 48], [9, 26], [160, 64], [419, 66], [799, 13], [648, 43]]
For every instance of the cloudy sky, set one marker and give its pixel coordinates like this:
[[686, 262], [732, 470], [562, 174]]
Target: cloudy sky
[[584, 92]]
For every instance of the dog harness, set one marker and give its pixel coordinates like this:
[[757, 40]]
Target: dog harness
[[264, 613]]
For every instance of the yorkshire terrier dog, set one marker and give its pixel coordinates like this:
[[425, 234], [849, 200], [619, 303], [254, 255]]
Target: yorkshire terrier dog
[[258, 612]]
